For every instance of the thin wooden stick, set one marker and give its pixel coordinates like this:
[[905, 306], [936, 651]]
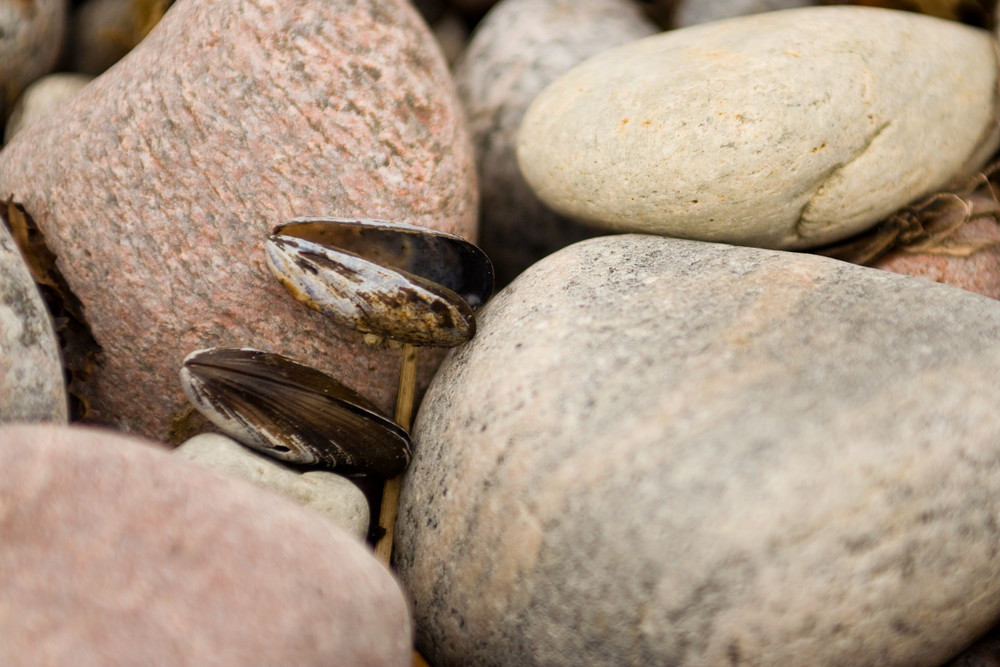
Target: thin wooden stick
[[404, 414]]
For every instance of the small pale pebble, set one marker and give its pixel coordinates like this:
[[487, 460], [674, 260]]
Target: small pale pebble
[[519, 48], [115, 552], [333, 496], [42, 97], [668, 452], [788, 129]]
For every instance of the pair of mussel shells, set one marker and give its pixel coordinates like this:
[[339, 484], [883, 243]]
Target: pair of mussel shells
[[390, 280]]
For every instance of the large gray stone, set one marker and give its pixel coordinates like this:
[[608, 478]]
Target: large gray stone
[[658, 451], [788, 129], [520, 47]]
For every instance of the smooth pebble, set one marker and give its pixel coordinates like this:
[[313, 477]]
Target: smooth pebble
[[789, 129]]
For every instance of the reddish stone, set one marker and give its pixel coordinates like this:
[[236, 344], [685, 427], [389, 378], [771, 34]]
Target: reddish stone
[[157, 185], [116, 553]]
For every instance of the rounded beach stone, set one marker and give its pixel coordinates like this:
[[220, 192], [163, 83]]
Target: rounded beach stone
[[787, 129], [333, 496], [42, 97], [117, 553], [157, 185], [520, 47], [29, 44], [32, 387], [693, 12], [698, 454]]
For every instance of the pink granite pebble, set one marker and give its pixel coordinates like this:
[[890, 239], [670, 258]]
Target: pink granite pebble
[[157, 185], [115, 553]]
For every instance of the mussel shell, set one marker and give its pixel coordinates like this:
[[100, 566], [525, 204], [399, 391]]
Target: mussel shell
[[293, 412], [368, 296], [438, 257]]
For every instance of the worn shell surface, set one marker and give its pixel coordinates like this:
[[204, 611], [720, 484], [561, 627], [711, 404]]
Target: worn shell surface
[[293, 412], [396, 280]]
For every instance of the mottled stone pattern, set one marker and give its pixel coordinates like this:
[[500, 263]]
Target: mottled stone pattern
[[157, 185], [116, 553], [658, 451], [520, 47], [786, 129], [31, 375]]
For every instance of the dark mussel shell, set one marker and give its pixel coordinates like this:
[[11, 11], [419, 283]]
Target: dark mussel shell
[[293, 412], [404, 282]]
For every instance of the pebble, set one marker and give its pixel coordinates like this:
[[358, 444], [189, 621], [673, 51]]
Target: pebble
[[29, 44], [333, 496], [102, 32], [817, 123], [693, 12], [42, 97], [519, 48], [658, 451], [116, 552], [157, 185], [32, 387]]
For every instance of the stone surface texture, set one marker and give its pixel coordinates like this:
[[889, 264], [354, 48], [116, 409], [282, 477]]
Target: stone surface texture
[[519, 48], [787, 129], [117, 553], [157, 185], [29, 44], [332, 495], [32, 387], [658, 451], [42, 97]]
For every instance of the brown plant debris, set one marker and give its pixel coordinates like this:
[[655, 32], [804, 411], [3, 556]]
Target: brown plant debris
[[80, 350], [930, 226]]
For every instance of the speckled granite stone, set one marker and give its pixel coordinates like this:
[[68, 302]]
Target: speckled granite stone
[[520, 47], [31, 373], [787, 129], [157, 185], [658, 451], [116, 553]]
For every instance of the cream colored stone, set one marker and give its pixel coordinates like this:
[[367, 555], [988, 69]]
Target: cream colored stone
[[666, 452], [788, 129], [333, 496], [41, 97]]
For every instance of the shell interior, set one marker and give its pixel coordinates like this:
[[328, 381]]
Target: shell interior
[[293, 412]]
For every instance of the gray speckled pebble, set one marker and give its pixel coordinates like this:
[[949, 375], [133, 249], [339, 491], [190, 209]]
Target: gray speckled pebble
[[788, 129], [693, 12], [520, 47], [333, 496], [658, 451], [32, 387]]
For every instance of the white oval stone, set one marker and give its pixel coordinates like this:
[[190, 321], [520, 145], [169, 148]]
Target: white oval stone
[[666, 452], [333, 496], [787, 129], [42, 97]]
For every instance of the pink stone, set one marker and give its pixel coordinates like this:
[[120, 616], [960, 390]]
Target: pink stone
[[157, 185], [978, 272], [114, 552]]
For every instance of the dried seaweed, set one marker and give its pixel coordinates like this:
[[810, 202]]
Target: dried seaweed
[[930, 226], [80, 350]]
